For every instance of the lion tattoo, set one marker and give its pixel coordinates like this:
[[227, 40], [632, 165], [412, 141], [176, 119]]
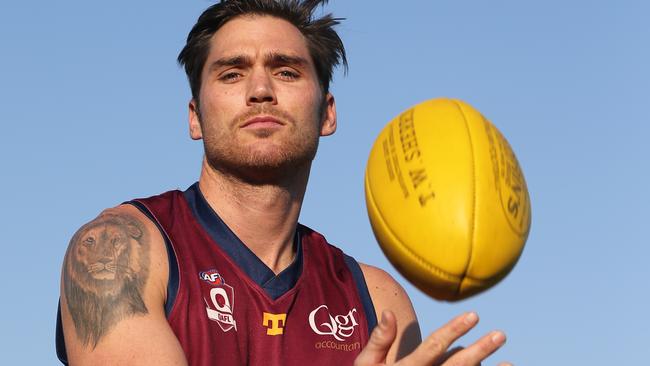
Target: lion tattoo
[[105, 270]]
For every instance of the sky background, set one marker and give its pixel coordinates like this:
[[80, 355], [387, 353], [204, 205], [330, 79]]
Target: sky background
[[94, 107]]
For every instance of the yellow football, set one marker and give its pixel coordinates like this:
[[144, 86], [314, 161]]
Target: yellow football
[[447, 199]]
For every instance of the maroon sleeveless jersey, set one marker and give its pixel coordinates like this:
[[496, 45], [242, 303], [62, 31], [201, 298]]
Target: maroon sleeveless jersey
[[227, 308]]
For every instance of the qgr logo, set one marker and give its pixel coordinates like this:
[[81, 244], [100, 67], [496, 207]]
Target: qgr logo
[[339, 326]]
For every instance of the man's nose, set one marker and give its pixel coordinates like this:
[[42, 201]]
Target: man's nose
[[260, 88]]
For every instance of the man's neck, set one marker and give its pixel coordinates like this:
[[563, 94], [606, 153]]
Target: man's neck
[[264, 217]]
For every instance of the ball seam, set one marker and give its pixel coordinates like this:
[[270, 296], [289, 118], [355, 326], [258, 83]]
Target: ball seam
[[474, 199], [406, 249]]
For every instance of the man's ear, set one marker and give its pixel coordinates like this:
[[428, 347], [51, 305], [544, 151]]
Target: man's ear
[[195, 121], [328, 125]]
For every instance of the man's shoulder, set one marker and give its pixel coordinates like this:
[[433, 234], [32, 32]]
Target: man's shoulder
[[382, 285], [113, 280], [388, 294], [125, 215], [124, 241]]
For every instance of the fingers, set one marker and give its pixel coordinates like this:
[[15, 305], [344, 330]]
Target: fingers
[[435, 346], [478, 351], [381, 339], [448, 354]]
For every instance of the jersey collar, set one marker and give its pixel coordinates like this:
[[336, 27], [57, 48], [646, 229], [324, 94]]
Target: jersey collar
[[274, 285]]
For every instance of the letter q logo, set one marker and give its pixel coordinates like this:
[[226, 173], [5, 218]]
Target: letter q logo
[[339, 326]]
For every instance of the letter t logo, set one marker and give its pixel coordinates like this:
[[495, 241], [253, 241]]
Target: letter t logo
[[272, 323]]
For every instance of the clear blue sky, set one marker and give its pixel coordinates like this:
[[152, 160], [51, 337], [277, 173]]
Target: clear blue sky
[[93, 112]]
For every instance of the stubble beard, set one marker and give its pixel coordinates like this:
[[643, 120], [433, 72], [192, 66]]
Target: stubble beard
[[267, 163]]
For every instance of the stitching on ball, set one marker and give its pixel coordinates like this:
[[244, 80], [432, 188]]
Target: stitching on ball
[[473, 227], [406, 249]]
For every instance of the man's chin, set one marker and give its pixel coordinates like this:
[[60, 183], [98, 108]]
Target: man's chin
[[264, 167]]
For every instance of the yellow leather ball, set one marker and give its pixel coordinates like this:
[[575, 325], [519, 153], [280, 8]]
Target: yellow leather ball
[[447, 199]]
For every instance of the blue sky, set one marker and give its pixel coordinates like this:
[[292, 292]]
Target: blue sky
[[93, 109]]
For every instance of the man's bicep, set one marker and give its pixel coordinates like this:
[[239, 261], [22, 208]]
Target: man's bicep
[[387, 294], [111, 302]]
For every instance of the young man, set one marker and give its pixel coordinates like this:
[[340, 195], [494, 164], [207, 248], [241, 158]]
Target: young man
[[223, 274]]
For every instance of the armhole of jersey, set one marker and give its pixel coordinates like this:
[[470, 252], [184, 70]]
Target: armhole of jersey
[[61, 352], [362, 287], [172, 283]]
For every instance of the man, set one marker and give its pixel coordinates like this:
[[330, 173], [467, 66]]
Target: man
[[223, 273]]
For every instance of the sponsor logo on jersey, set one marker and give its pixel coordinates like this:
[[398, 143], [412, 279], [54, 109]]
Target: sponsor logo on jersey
[[219, 307], [274, 323], [340, 327]]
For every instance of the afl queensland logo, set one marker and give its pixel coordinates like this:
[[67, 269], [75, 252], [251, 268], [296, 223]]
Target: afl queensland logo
[[212, 277], [339, 326], [221, 300]]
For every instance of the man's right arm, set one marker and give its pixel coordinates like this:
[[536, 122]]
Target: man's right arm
[[113, 291]]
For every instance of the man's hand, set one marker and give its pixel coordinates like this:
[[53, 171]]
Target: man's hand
[[434, 349]]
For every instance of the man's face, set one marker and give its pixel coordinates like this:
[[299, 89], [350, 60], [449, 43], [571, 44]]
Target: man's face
[[261, 109]]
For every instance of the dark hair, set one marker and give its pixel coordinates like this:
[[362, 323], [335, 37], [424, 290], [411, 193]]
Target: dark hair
[[324, 44]]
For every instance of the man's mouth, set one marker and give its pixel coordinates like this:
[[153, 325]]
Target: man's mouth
[[262, 122]]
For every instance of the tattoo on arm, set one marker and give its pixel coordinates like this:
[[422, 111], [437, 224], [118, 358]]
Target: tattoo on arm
[[105, 270]]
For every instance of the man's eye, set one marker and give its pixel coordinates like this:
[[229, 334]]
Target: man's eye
[[288, 74], [230, 76], [89, 241]]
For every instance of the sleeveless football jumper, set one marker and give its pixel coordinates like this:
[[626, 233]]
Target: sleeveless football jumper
[[226, 307]]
